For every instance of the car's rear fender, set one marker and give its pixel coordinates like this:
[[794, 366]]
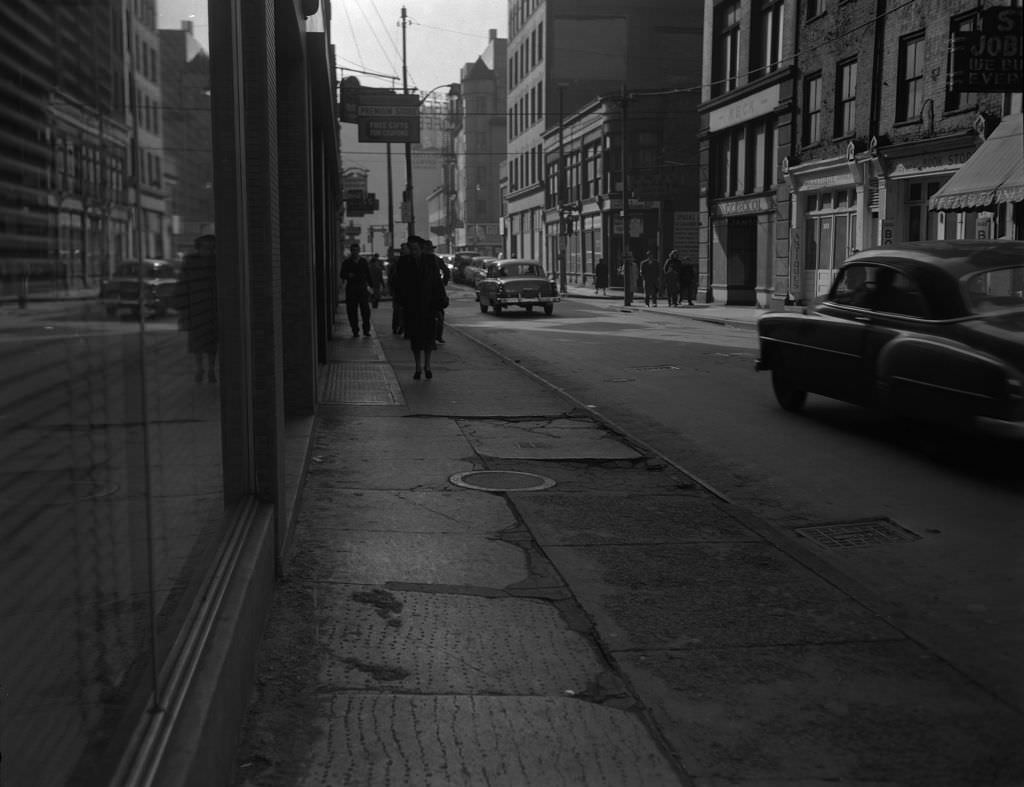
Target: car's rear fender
[[936, 377]]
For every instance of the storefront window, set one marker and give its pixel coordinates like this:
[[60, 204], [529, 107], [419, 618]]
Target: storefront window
[[111, 507]]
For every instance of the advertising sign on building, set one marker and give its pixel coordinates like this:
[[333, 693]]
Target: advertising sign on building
[[990, 60]]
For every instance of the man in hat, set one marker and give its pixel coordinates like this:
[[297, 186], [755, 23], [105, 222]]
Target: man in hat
[[355, 272]]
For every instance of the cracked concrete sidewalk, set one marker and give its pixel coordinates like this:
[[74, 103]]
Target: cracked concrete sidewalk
[[620, 627]]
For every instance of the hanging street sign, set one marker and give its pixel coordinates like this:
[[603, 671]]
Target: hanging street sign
[[385, 117]]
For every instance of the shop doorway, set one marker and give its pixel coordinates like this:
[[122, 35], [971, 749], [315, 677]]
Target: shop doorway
[[741, 261]]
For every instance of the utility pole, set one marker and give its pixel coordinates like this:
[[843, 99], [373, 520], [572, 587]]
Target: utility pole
[[391, 203], [407, 201], [627, 259], [563, 240]]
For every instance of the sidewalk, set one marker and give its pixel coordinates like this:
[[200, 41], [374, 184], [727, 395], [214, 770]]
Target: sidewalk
[[741, 316], [487, 586]]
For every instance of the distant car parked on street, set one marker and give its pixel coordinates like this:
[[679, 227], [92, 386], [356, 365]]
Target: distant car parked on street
[[459, 262], [931, 329], [150, 286], [521, 283]]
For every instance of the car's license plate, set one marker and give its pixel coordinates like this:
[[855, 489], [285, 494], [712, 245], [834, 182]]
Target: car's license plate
[[528, 294]]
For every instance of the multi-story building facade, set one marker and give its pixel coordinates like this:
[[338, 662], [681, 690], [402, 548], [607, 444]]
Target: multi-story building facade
[[830, 127], [479, 145], [563, 56], [638, 142], [143, 511], [746, 119], [188, 160]]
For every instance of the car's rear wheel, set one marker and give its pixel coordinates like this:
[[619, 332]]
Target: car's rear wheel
[[549, 309], [790, 396]]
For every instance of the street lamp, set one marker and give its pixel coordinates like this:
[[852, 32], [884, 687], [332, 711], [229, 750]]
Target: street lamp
[[407, 203]]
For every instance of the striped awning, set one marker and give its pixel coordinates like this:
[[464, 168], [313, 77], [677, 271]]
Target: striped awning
[[993, 175]]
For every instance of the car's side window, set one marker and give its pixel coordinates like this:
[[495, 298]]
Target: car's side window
[[854, 285], [898, 293], [881, 289]]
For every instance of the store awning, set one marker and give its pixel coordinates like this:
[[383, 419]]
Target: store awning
[[993, 175]]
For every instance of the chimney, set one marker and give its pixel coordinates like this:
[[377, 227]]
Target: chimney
[[492, 34], [186, 25]]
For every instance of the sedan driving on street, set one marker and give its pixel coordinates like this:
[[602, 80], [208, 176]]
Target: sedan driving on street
[[520, 283], [932, 329]]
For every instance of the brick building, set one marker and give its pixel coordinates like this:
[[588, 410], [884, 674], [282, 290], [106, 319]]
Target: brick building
[[867, 130], [562, 56]]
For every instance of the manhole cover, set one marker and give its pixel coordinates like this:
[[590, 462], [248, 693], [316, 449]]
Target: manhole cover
[[849, 535], [501, 481]]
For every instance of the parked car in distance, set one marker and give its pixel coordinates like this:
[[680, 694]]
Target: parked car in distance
[[150, 286], [932, 329], [459, 262], [476, 270], [516, 282]]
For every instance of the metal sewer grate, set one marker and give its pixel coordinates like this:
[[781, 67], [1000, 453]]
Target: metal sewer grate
[[853, 535], [501, 481], [662, 367]]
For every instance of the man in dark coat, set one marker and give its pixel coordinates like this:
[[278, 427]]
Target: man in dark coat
[[650, 272], [355, 272], [688, 279]]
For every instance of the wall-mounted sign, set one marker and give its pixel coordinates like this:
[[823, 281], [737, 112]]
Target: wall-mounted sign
[[990, 60]]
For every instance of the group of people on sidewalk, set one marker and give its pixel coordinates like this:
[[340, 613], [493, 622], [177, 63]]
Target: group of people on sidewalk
[[416, 280], [678, 275]]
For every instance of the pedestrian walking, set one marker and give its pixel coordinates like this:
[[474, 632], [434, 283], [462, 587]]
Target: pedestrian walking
[[446, 276], [601, 276], [396, 303], [650, 272], [196, 296], [421, 290], [355, 272], [376, 280], [688, 279], [673, 269]]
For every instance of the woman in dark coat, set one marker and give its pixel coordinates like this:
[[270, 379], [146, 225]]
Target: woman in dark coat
[[421, 292], [197, 304]]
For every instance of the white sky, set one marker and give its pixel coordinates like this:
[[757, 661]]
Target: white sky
[[441, 35]]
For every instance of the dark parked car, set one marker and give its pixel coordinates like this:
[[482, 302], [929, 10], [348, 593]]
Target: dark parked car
[[459, 262], [933, 329], [520, 283], [151, 287], [476, 270]]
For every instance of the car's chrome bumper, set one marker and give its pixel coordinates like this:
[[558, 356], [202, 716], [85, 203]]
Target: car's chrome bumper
[[516, 300]]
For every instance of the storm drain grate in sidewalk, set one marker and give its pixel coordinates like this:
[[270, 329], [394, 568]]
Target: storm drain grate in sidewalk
[[850, 535], [662, 367], [361, 382], [501, 481]]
